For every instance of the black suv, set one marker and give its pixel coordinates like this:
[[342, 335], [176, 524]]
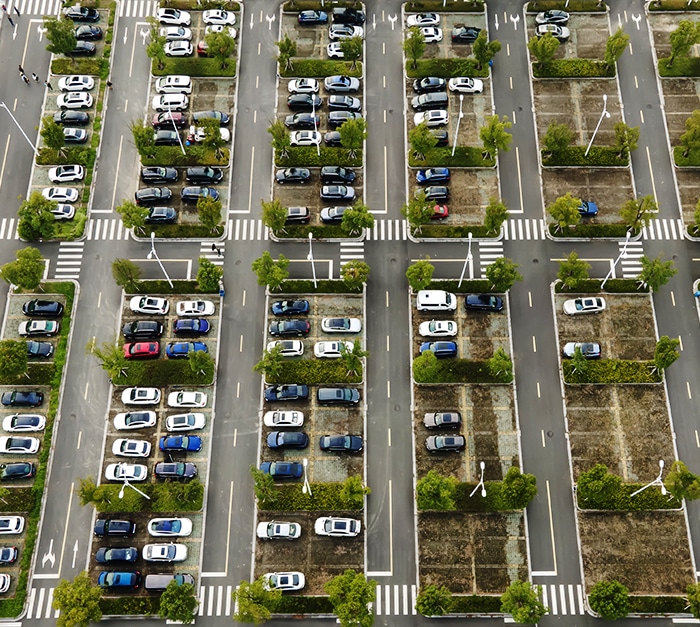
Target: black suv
[[337, 396], [304, 102], [156, 174], [337, 174], [302, 121], [152, 195], [142, 330], [161, 215], [204, 175], [348, 16], [79, 118], [37, 307], [175, 470], [82, 14], [167, 118], [431, 100], [166, 138], [115, 528], [465, 34], [193, 194]]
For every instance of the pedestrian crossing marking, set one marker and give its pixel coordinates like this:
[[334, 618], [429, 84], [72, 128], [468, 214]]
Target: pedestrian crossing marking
[[630, 262], [488, 253], [388, 230], [350, 251], [664, 229], [399, 601], [524, 229], [69, 260], [8, 230], [205, 250], [555, 597], [138, 8], [106, 229], [36, 602]]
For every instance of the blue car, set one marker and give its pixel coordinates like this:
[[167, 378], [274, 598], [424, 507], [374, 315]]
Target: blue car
[[588, 208], [190, 443], [289, 392], [180, 350], [283, 470], [191, 326], [115, 579], [290, 307], [441, 349], [433, 175], [287, 439], [310, 18], [106, 555]]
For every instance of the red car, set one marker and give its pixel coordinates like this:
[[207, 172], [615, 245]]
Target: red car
[[142, 350], [440, 212]]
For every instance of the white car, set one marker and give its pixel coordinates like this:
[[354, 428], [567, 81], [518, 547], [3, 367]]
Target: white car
[[63, 212], [304, 138], [149, 305], [220, 28], [185, 422], [558, 32], [341, 325], [337, 527], [141, 396], [170, 102], [19, 445], [5, 581], [187, 399], [344, 31], [218, 16], [38, 327], [438, 328], [434, 117], [466, 85], [174, 17], [589, 304], [303, 86], [134, 420], [431, 34], [23, 423], [74, 100], [126, 472], [331, 350], [200, 133], [66, 173], [194, 308], [10, 525], [283, 419], [334, 51], [287, 581], [179, 48], [76, 82], [165, 552], [170, 527], [123, 447], [60, 194], [289, 348], [423, 19], [171, 33], [174, 84], [276, 530]]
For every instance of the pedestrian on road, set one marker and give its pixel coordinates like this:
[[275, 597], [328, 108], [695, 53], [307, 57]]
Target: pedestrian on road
[[35, 77], [16, 10], [4, 8], [47, 84], [25, 79], [109, 84], [9, 19], [21, 69]]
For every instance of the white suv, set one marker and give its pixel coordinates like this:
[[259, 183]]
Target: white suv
[[174, 84], [171, 102]]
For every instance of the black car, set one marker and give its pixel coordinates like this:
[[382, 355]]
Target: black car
[[39, 349], [302, 121], [431, 100], [82, 14], [435, 192], [167, 119], [332, 138], [175, 470], [465, 34], [142, 330], [115, 528], [204, 175], [483, 302], [338, 118], [443, 139], [341, 443], [293, 175], [157, 174], [161, 215], [165, 137], [83, 49], [346, 103], [337, 174], [288, 392], [337, 396], [107, 555], [333, 215], [153, 195], [312, 18], [77, 118], [298, 215], [290, 307], [348, 16], [17, 470], [22, 398], [193, 193], [444, 443], [304, 102], [38, 308], [88, 33], [191, 326], [287, 439], [220, 116], [429, 84], [293, 327]]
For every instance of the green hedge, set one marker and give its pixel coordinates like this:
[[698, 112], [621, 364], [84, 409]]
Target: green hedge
[[682, 66], [468, 286], [657, 605], [682, 161], [93, 67], [179, 287], [420, 6], [163, 372], [304, 605], [475, 604], [314, 372], [195, 154], [463, 371], [79, 156], [589, 6], [196, 66], [573, 68], [320, 232], [592, 286], [464, 157], [142, 606], [320, 68], [306, 286], [446, 68], [449, 231], [171, 496], [612, 371], [324, 497], [623, 502], [192, 231], [598, 157], [308, 157], [38, 374], [18, 500], [586, 230]]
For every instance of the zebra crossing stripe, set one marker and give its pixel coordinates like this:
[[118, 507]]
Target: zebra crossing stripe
[[554, 597]]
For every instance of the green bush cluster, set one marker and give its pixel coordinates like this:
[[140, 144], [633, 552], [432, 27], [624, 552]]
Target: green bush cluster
[[18, 500], [573, 68], [586, 230], [304, 605], [682, 66], [80, 156], [622, 501], [657, 605], [464, 157], [165, 497], [195, 154], [612, 371], [462, 371], [613, 286], [588, 6], [475, 604], [195, 231], [308, 157], [324, 497], [314, 372], [325, 286], [599, 156], [446, 68], [195, 66], [93, 67], [692, 160], [319, 232], [162, 372], [320, 68], [141, 606], [39, 374], [454, 231]]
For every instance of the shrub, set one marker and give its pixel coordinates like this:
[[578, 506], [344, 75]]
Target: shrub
[[610, 599], [314, 372], [611, 371], [194, 66], [304, 605], [325, 286], [320, 68], [306, 156], [476, 604], [446, 68], [164, 372], [599, 156], [657, 605], [461, 371], [585, 231], [592, 286], [324, 496], [573, 68], [464, 157]]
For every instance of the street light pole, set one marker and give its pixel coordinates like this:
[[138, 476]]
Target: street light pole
[[125, 484], [467, 260], [153, 253], [482, 465], [622, 255], [177, 132], [21, 130], [459, 119], [313, 113], [310, 257], [306, 488], [656, 481], [604, 113]]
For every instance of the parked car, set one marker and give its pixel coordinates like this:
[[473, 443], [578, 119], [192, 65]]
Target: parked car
[[61, 194], [193, 193], [39, 349], [11, 525], [174, 17], [429, 84], [590, 350], [204, 175], [334, 50], [63, 211], [303, 86], [346, 15], [278, 419], [23, 423], [282, 470], [434, 192], [191, 327], [337, 396], [588, 209], [16, 471], [292, 327], [141, 350], [332, 350], [109, 555], [172, 33], [337, 118], [341, 84], [465, 34], [170, 527], [560, 33], [153, 195], [304, 102], [119, 580], [432, 118], [442, 136], [187, 399], [165, 137], [293, 175], [83, 49], [442, 420], [286, 392], [338, 102], [134, 420], [76, 82], [185, 422], [18, 445], [286, 582], [337, 527], [75, 135], [341, 443], [341, 325], [553, 16], [170, 102], [141, 396], [219, 16], [586, 305], [337, 174], [337, 192], [431, 34], [78, 13], [195, 308], [74, 100], [40, 308], [86, 32], [66, 173], [333, 215], [441, 349], [304, 138], [181, 443], [423, 19], [169, 119], [344, 31], [276, 530], [164, 552], [312, 18], [68, 116], [212, 114], [483, 302], [175, 470], [433, 175], [290, 307], [332, 138], [466, 85], [126, 472], [302, 121], [175, 83], [287, 439], [182, 350], [444, 443], [124, 447], [438, 328], [149, 305], [161, 215], [22, 398], [115, 528]]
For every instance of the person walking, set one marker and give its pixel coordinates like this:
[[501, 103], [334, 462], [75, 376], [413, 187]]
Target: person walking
[[35, 76], [109, 84], [9, 19], [4, 9], [25, 79], [20, 68], [47, 84], [16, 10]]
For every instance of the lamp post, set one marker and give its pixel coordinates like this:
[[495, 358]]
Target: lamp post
[[21, 130], [313, 113], [310, 257], [622, 255], [126, 483], [153, 253], [459, 119], [604, 113], [482, 465], [467, 260], [177, 132], [656, 481], [306, 488]]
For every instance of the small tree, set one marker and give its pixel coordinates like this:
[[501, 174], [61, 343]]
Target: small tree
[[352, 359], [156, 47], [280, 138], [656, 272], [274, 215], [78, 601], [263, 486], [353, 134], [208, 275], [200, 362], [255, 602], [503, 274], [414, 45], [36, 221], [693, 592], [213, 139], [573, 271], [422, 140], [501, 366], [357, 218], [436, 492], [209, 211], [52, 134], [682, 483], [543, 48], [420, 274], [61, 35], [13, 359], [579, 363], [565, 212], [522, 601], [418, 211], [597, 487], [270, 272], [111, 357], [271, 363], [287, 49], [690, 140], [638, 213], [610, 599], [425, 367], [557, 138], [353, 492], [26, 270], [178, 603], [494, 136], [485, 50], [666, 352], [433, 600], [518, 489], [350, 595], [143, 138], [133, 215], [354, 274], [221, 46], [615, 47], [352, 49], [626, 138], [496, 215], [127, 274], [86, 491], [683, 39]]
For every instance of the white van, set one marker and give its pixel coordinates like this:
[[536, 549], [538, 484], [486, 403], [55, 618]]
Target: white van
[[174, 84], [436, 300], [171, 102]]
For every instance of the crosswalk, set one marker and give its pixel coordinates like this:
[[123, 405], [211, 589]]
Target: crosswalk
[[106, 229], [215, 600], [138, 8], [488, 253], [247, 229], [388, 230], [350, 251], [524, 229], [206, 250], [69, 260], [8, 228], [395, 599], [664, 229], [40, 603], [630, 261], [35, 7], [563, 599]]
